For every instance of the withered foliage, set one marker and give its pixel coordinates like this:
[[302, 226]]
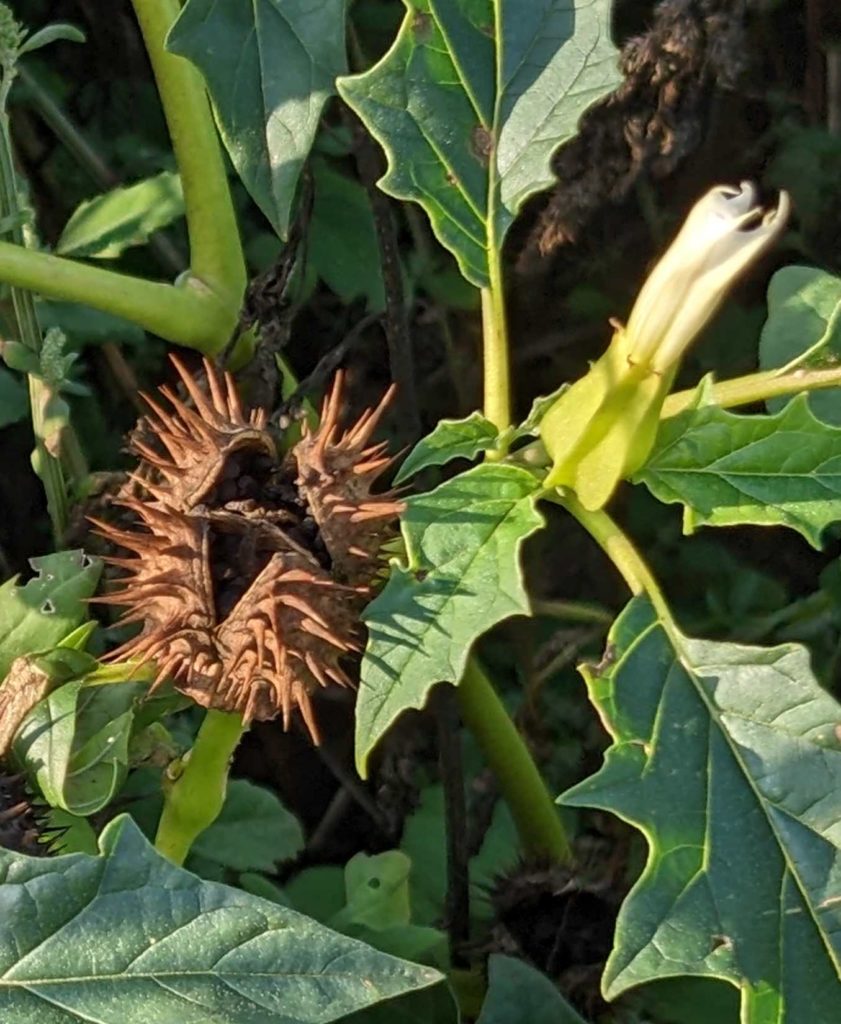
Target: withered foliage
[[20, 827], [651, 122], [249, 568]]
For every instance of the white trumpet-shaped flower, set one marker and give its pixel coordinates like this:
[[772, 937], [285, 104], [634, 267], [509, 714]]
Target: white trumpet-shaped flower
[[724, 232]]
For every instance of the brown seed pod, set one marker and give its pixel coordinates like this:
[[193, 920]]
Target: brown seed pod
[[249, 571]]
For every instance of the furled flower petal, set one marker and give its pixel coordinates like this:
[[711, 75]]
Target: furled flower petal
[[724, 232]]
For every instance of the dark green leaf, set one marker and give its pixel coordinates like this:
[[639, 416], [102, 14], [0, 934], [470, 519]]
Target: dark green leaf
[[14, 400], [318, 892], [782, 470], [803, 329], [470, 152], [129, 937], [451, 439], [425, 842], [342, 243], [463, 575], [518, 993], [434, 1005], [270, 66], [254, 832], [41, 613], [105, 226], [728, 759]]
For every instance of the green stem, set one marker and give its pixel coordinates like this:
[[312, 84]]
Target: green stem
[[190, 315], [539, 826], [497, 401], [45, 462], [619, 549], [198, 794], [756, 387], [573, 611], [215, 249]]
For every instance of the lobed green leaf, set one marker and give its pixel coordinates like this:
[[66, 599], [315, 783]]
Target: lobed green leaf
[[463, 576], [727, 469], [472, 100], [450, 439], [728, 759]]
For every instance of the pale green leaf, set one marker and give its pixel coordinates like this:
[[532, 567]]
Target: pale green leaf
[[43, 611], [517, 993], [270, 66], [451, 439], [376, 890], [109, 224], [463, 576], [803, 330], [727, 469], [129, 937], [254, 831], [58, 31], [472, 100], [728, 759], [74, 744]]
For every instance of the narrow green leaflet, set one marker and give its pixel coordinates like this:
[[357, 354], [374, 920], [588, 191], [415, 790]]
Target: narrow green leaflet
[[463, 576], [254, 832], [803, 329], [726, 469], [728, 759], [270, 66], [451, 439], [128, 936], [518, 992], [107, 225], [471, 101], [43, 611]]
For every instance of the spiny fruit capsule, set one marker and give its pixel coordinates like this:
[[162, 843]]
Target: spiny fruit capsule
[[249, 569]]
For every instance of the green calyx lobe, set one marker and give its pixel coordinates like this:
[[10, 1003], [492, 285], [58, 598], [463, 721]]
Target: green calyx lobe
[[602, 429]]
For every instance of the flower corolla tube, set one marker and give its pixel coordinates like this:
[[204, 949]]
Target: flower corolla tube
[[602, 429]]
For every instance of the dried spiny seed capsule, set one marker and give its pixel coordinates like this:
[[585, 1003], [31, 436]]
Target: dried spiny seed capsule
[[250, 572]]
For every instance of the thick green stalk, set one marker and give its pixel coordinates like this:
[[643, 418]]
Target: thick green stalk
[[215, 249], [538, 823], [756, 387], [497, 384], [187, 315], [619, 549], [197, 796]]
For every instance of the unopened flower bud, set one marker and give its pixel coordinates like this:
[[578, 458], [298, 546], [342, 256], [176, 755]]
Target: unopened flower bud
[[724, 232], [602, 429]]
